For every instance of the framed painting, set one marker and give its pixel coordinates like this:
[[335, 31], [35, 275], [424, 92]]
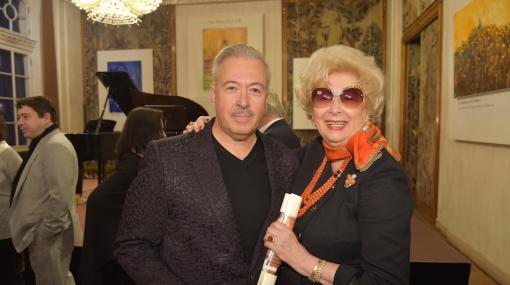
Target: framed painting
[[480, 77], [204, 36], [134, 69], [300, 120], [481, 39], [138, 63], [215, 39]]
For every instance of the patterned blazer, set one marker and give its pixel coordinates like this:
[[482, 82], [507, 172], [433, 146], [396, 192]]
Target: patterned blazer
[[178, 226]]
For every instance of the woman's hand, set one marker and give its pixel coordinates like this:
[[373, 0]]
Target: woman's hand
[[198, 125], [282, 240]]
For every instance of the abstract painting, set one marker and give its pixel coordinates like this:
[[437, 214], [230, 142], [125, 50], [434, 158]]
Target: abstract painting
[[481, 44], [213, 41], [138, 63], [134, 69]]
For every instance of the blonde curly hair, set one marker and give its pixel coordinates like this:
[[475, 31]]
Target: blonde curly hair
[[326, 60]]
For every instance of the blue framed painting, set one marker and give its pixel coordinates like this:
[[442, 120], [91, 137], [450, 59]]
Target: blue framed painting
[[134, 69]]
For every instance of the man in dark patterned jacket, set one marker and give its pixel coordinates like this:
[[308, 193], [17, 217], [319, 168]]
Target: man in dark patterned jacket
[[200, 205]]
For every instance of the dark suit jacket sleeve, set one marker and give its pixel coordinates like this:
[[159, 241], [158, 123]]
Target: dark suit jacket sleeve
[[384, 211], [281, 131], [142, 224]]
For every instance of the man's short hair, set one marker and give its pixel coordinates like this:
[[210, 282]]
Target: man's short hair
[[274, 106], [239, 51], [40, 105]]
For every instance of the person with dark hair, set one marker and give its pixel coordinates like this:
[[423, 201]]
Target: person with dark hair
[[43, 223], [9, 258], [104, 205], [199, 206]]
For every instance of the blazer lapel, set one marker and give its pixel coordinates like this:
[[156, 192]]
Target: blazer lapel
[[31, 161], [276, 199], [27, 168], [208, 173]]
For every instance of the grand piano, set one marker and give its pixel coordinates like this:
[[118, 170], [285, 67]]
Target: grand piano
[[99, 145]]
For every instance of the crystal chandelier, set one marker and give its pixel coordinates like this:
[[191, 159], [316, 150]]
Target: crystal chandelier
[[117, 12]]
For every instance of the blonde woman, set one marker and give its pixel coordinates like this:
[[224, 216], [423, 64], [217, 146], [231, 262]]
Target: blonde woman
[[354, 224]]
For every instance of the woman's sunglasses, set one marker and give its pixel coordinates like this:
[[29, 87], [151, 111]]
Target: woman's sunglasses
[[350, 96]]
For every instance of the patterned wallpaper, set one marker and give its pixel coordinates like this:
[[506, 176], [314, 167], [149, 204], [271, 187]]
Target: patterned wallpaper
[[154, 32], [412, 9], [420, 136], [314, 24], [427, 143], [309, 26], [412, 112]]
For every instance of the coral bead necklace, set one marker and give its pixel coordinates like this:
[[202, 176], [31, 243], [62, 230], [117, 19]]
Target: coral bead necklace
[[311, 198]]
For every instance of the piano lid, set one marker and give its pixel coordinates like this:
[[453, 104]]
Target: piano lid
[[119, 85], [123, 90]]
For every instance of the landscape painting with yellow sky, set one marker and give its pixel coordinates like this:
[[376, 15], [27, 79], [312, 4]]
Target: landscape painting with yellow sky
[[213, 41], [482, 47]]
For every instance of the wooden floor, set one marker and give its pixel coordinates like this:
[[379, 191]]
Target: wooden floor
[[427, 243], [435, 247]]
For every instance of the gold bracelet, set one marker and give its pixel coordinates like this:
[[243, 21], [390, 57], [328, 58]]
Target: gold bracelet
[[315, 276]]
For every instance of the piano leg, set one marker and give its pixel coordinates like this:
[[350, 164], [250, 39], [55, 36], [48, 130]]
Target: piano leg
[[100, 171], [79, 184]]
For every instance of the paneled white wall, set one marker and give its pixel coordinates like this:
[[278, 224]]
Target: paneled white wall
[[35, 82], [68, 43], [474, 181]]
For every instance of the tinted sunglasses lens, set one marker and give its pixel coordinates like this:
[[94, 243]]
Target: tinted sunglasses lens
[[321, 96], [352, 97]]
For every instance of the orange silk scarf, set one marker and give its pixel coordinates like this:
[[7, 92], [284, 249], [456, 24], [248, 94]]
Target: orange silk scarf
[[365, 146]]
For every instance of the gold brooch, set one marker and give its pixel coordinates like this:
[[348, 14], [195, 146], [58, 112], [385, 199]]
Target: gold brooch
[[350, 180]]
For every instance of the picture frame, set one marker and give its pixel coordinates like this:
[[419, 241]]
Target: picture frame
[[477, 117], [138, 63], [205, 36], [300, 120], [481, 29]]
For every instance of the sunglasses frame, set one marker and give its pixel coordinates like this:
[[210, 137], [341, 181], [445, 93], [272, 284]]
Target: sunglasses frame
[[338, 94]]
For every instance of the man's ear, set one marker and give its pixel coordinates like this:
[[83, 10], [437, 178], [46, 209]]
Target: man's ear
[[212, 93], [47, 117]]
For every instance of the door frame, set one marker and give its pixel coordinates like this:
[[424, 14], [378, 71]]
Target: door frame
[[411, 33]]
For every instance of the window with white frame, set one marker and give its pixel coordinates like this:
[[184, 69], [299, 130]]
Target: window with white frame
[[13, 85], [13, 16], [13, 64]]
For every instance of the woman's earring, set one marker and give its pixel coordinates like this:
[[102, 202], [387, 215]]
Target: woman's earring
[[367, 125]]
